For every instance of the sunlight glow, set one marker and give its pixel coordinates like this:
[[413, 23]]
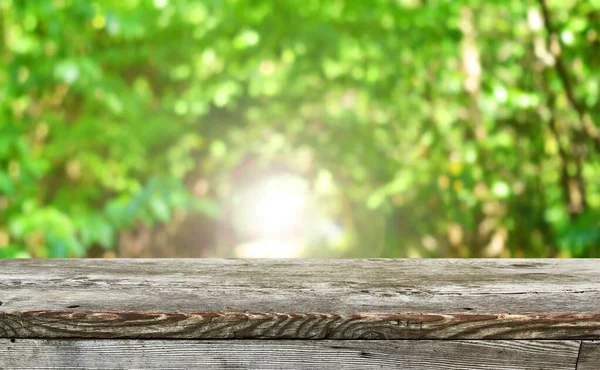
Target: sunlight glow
[[270, 248], [272, 215], [278, 210]]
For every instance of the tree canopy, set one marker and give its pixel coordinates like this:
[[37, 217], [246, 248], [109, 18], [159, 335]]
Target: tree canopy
[[417, 128]]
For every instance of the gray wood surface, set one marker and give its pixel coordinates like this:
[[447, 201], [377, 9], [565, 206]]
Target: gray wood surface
[[33, 354], [301, 299], [589, 356]]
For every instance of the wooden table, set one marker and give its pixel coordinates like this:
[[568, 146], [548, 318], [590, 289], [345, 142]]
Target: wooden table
[[311, 314]]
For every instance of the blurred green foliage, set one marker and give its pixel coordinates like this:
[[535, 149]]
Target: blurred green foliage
[[446, 128]]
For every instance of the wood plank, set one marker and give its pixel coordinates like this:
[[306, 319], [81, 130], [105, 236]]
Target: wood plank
[[282, 354], [301, 299], [589, 356]]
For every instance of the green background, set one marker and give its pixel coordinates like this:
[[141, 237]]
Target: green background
[[420, 128]]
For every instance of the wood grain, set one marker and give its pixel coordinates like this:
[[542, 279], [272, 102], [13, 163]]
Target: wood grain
[[279, 354], [589, 356], [301, 299]]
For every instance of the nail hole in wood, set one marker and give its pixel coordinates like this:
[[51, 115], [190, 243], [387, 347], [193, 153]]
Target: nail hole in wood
[[12, 340]]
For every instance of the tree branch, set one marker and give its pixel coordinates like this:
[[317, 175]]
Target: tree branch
[[575, 208], [584, 117]]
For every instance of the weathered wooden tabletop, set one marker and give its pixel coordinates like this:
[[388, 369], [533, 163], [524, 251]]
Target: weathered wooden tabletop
[[508, 314]]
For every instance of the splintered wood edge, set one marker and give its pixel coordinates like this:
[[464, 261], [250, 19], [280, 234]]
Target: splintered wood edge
[[258, 325]]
